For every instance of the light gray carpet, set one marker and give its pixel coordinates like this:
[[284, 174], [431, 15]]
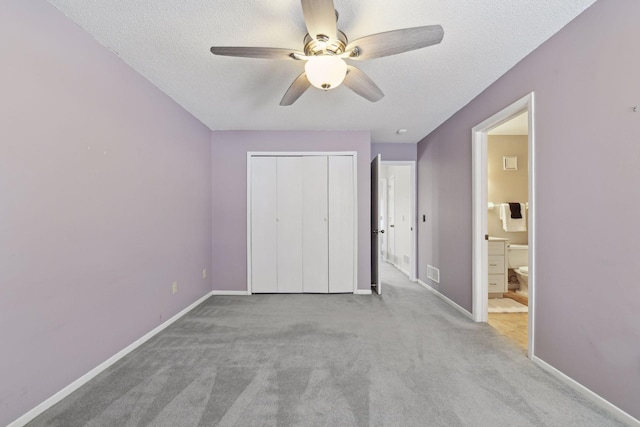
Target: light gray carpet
[[403, 359]]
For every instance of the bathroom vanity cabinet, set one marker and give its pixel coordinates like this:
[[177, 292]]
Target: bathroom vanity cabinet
[[498, 279]]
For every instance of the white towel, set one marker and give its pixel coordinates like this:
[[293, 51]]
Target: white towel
[[513, 224]]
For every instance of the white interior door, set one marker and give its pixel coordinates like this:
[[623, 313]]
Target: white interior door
[[391, 209], [301, 223], [315, 238], [376, 280], [289, 240], [264, 273], [341, 224], [382, 199]]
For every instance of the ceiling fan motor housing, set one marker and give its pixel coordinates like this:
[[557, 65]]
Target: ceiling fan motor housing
[[325, 45]]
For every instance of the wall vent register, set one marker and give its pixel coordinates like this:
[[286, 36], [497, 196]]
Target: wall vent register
[[433, 273]]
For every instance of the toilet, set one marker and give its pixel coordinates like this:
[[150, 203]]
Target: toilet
[[518, 261]]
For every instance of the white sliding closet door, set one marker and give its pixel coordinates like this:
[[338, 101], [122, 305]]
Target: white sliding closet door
[[289, 239], [341, 224], [264, 273], [315, 240]]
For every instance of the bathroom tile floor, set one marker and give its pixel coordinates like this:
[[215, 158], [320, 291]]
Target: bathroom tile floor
[[514, 325]]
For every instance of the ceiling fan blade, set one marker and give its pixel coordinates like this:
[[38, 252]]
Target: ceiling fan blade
[[361, 84], [320, 18], [256, 52], [297, 88], [397, 41]]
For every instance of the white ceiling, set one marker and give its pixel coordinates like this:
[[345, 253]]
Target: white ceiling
[[168, 42]]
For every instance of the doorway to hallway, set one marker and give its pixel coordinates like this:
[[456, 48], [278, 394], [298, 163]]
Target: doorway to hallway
[[397, 213], [393, 218]]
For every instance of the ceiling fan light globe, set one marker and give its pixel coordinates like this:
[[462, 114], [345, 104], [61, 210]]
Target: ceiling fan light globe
[[325, 71]]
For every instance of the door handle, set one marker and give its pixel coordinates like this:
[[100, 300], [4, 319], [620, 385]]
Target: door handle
[[391, 226], [382, 231]]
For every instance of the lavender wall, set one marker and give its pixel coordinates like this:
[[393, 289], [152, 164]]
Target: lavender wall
[[587, 308], [229, 154], [391, 151], [90, 242]]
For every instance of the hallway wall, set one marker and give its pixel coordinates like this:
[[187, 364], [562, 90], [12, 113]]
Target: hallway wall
[[393, 151], [106, 200], [586, 82], [402, 227]]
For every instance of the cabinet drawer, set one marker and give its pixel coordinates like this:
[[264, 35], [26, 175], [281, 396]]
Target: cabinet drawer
[[496, 248], [496, 283], [496, 264]]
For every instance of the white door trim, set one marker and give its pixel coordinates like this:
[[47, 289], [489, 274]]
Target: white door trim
[[353, 154], [383, 198], [413, 269], [479, 226], [391, 220]]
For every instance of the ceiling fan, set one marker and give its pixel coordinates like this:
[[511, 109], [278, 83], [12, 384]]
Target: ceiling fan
[[326, 48]]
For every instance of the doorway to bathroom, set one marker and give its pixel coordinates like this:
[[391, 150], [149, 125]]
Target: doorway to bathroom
[[508, 195], [503, 205]]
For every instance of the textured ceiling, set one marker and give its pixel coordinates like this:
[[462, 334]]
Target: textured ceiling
[[168, 42]]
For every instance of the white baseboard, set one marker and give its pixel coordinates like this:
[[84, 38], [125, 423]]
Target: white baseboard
[[403, 271], [447, 300], [595, 398], [24, 419], [357, 292], [230, 293]]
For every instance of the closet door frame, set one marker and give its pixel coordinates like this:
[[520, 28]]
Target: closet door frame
[[354, 159]]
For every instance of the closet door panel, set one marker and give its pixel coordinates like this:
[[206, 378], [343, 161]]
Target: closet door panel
[[289, 196], [315, 240], [341, 224], [263, 225]]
